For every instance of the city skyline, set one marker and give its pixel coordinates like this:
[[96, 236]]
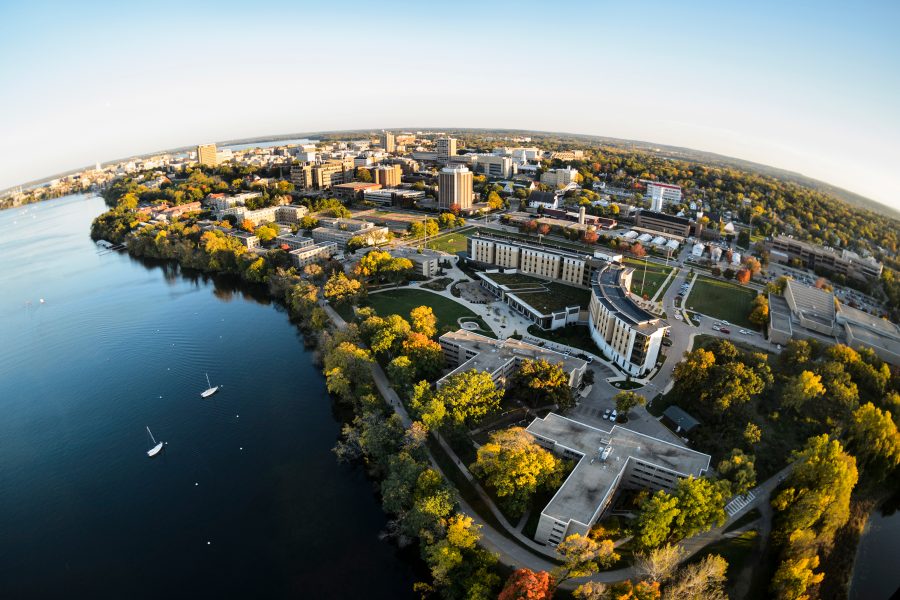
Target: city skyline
[[796, 89]]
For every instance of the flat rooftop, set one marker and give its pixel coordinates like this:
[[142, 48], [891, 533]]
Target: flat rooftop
[[780, 314], [607, 286], [592, 480], [812, 303], [494, 354]]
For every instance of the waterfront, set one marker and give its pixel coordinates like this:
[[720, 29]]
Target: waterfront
[[267, 144], [875, 572], [246, 501]]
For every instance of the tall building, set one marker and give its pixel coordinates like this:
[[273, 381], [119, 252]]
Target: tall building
[[387, 176], [387, 141], [206, 155], [455, 187], [559, 178], [445, 147], [661, 194]]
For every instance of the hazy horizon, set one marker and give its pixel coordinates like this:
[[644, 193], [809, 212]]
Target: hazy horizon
[[801, 89]]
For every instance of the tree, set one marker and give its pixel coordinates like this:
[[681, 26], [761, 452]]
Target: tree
[[637, 249], [658, 564], [731, 384], [739, 469], [692, 372], [752, 434], [266, 233], [381, 264], [626, 400], [423, 321], [583, 556], [525, 584], [426, 356], [590, 237], [591, 590], [364, 175], [466, 397], [642, 590], [794, 576], [539, 383], [314, 271], [543, 229], [799, 390], [340, 289], [872, 436], [742, 276], [701, 505], [401, 372], [654, 522], [515, 466], [494, 201], [704, 580], [796, 353], [728, 273], [759, 311], [753, 265]]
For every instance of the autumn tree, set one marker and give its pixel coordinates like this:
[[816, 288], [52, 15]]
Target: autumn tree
[[794, 576], [465, 397], [525, 584], [802, 388], [515, 467], [423, 321], [364, 175], [583, 556], [341, 289], [540, 382], [659, 564], [742, 277], [626, 400], [703, 580], [752, 434], [426, 356], [494, 201], [654, 522]]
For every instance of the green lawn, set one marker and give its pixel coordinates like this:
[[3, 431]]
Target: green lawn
[[721, 300], [447, 311], [556, 296], [452, 243], [646, 284]]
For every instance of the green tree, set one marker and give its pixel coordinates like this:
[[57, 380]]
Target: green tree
[[739, 469], [701, 506], [401, 372], [692, 372], [469, 396], [759, 311], [341, 289], [541, 383], [752, 434], [872, 436], [626, 400], [426, 355], [364, 175], [515, 467], [654, 522], [583, 556]]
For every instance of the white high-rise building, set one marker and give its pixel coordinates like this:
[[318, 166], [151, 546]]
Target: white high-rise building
[[661, 194], [455, 187], [445, 148]]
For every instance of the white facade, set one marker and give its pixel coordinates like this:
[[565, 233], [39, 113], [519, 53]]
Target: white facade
[[661, 194], [559, 178]]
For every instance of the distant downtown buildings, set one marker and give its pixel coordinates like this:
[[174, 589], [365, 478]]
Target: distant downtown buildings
[[784, 248], [206, 155]]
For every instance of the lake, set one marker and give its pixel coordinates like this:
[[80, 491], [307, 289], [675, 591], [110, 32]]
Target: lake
[[267, 144], [247, 499], [875, 573]]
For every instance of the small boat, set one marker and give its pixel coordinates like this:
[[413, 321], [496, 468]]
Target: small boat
[[157, 446], [42, 300], [210, 390]]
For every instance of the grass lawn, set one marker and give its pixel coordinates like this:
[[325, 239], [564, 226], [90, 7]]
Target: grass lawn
[[577, 336], [452, 243], [345, 310], [656, 275], [556, 296], [447, 311], [722, 300]]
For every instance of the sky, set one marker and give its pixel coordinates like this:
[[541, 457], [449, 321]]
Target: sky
[[812, 87]]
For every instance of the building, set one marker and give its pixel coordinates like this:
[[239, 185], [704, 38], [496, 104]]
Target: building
[[445, 148], [387, 176], [312, 253], [813, 308], [293, 241], [455, 188], [387, 142], [173, 212], [206, 155], [559, 178], [606, 462], [823, 258], [249, 240], [549, 305], [393, 196], [663, 223], [341, 231], [354, 189], [661, 194], [545, 261], [466, 350], [425, 262], [627, 334], [323, 176], [288, 213], [493, 166], [864, 330], [407, 165], [566, 155], [538, 199]]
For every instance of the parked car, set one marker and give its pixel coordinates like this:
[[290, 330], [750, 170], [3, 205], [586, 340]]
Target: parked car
[[606, 413], [725, 331], [613, 415]]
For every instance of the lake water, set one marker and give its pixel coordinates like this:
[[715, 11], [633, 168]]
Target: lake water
[[247, 500], [875, 573], [268, 144]]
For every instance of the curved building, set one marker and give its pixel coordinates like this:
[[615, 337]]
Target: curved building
[[627, 334]]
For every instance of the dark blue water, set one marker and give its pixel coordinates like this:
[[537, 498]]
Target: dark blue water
[[247, 500], [875, 573]]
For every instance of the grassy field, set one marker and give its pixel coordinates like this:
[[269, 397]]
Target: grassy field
[[721, 300], [556, 296], [452, 243], [447, 311], [656, 275]]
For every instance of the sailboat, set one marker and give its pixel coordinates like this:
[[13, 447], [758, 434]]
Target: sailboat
[[157, 446], [210, 390]]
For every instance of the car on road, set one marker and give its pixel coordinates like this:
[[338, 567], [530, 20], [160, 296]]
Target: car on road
[[678, 316], [724, 322], [725, 331], [716, 328], [744, 332]]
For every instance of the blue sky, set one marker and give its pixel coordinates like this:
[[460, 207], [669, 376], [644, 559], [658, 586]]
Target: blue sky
[[807, 86]]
